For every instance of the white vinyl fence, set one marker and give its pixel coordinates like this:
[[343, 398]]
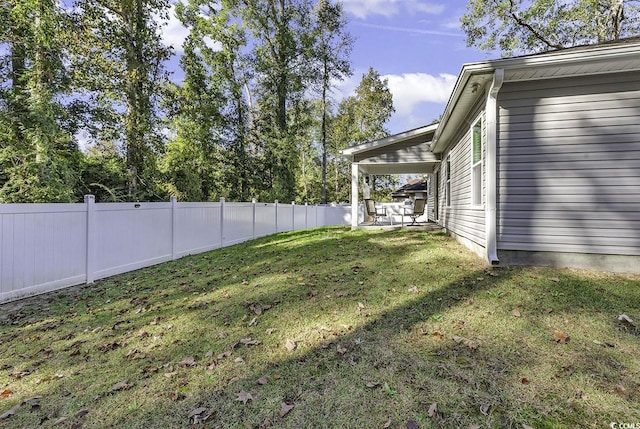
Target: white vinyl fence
[[44, 247]]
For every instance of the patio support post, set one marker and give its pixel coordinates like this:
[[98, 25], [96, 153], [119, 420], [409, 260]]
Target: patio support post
[[492, 167], [354, 195]]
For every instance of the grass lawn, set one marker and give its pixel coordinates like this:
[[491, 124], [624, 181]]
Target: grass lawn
[[327, 328]]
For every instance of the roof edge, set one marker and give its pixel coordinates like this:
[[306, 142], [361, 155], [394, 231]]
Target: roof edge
[[385, 141]]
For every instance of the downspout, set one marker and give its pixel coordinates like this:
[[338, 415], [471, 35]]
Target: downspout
[[492, 167]]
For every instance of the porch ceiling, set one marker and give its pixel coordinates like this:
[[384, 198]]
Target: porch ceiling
[[380, 168]]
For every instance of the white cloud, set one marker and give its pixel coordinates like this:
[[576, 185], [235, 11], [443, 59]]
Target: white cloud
[[174, 33], [363, 8], [411, 89]]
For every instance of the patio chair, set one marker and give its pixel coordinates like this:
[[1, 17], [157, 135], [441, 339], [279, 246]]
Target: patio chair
[[416, 211], [373, 211]]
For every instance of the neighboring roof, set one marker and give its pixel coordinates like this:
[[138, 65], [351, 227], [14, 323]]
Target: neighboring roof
[[414, 186], [474, 78]]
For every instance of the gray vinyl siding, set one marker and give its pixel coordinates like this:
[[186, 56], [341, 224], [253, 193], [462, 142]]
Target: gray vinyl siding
[[461, 217], [569, 165]]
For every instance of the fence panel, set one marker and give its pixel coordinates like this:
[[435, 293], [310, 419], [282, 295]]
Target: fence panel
[[42, 247], [265, 219], [49, 246], [238, 223], [197, 228], [131, 236], [300, 216], [285, 217]]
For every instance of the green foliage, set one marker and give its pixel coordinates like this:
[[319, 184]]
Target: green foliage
[[38, 158], [361, 118], [517, 27], [119, 60]]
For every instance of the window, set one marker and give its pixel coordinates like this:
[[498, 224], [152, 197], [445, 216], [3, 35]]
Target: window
[[476, 163], [448, 181]]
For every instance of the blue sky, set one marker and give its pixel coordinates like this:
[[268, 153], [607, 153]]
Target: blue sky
[[417, 45]]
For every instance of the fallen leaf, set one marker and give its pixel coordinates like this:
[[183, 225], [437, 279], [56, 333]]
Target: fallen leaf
[[626, 319], [524, 380], [34, 401], [372, 384], [437, 334], [560, 337], [60, 421], [263, 380], [188, 361], [224, 355], [387, 424], [122, 385], [244, 397], [10, 413], [433, 410], [254, 322], [270, 331], [238, 360], [412, 425], [341, 350], [222, 335], [413, 289], [81, 414], [555, 279], [249, 342], [516, 313], [76, 425], [524, 426], [484, 409], [197, 415], [277, 376], [284, 410], [6, 393], [471, 344], [621, 391], [290, 345], [50, 378]]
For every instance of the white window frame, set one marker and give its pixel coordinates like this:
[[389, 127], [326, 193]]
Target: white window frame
[[447, 180], [477, 164]]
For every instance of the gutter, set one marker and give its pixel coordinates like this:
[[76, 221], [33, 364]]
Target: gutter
[[492, 167]]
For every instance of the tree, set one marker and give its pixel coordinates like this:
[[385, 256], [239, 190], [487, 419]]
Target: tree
[[119, 63], [199, 164], [361, 118], [282, 41], [333, 47], [514, 26], [38, 156]]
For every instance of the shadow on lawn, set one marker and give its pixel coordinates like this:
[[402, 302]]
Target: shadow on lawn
[[371, 348]]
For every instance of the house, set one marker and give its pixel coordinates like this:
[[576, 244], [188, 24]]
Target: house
[[536, 159], [416, 188]]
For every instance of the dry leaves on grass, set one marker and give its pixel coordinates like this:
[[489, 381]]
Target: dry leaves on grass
[[290, 345], [560, 337], [285, 408], [471, 344], [244, 397]]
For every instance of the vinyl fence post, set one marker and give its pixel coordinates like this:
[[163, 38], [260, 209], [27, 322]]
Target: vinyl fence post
[[306, 215], [89, 201], [253, 201], [221, 221], [293, 215], [174, 222], [275, 204]]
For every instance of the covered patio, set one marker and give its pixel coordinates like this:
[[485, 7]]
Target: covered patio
[[408, 152]]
